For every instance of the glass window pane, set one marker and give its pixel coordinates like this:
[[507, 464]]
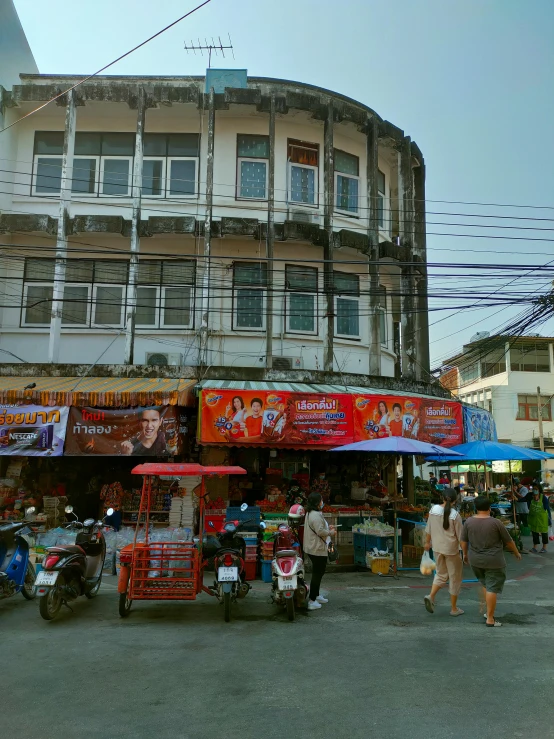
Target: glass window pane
[[253, 146], [302, 185], [152, 177], [87, 143], [346, 283], [533, 412], [116, 177], [149, 273], [347, 194], [178, 273], [155, 145], [107, 309], [380, 182], [250, 273], [182, 179], [48, 175], [38, 306], [122, 144], [110, 271], [301, 312], [348, 321], [177, 305], [252, 180], [250, 305], [48, 142], [84, 175], [146, 306], [301, 153], [75, 304], [383, 327], [381, 210], [40, 269], [79, 270], [183, 144], [302, 278], [347, 163]]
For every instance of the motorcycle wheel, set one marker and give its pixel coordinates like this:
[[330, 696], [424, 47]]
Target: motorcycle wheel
[[227, 606], [290, 609], [94, 591], [28, 589], [124, 605], [50, 604]]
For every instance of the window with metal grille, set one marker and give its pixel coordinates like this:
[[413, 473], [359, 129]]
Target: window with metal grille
[[249, 283]]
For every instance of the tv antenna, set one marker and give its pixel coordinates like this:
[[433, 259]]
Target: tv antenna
[[217, 47]]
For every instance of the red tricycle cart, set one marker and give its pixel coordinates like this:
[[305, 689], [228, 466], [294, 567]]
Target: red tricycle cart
[[165, 570]]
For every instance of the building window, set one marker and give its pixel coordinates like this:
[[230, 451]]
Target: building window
[[493, 362], [347, 170], [468, 372], [530, 357], [252, 166], [170, 165], [381, 198], [95, 293], [303, 162], [347, 305], [249, 283], [528, 408], [383, 334], [301, 285]]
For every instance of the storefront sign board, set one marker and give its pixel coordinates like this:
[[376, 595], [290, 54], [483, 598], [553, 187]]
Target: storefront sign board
[[32, 430], [479, 425]]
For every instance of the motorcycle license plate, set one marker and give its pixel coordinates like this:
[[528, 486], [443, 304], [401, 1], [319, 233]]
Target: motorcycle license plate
[[287, 583], [228, 574], [46, 578]]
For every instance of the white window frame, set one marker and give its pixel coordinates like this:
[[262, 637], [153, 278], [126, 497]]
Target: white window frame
[[352, 337], [163, 182], [35, 176], [86, 324], [170, 326], [383, 316], [103, 160], [123, 303], [256, 160], [156, 324], [384, 227], [351, 213], [236, 290], [94, 193], [288, 310], [24, 304], [169, 161], [315, 204]]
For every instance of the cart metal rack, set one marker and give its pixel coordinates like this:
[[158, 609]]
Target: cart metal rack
[[165, 570]]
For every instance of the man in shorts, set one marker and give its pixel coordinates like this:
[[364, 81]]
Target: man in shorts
[[486, 537]]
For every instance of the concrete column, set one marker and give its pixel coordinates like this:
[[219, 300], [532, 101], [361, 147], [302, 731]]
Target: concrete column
[[372, 144], [63, 223], [136, 194], [329, 204], [203, 271], [410, 367], [270, 243], [420, 253], [408, 484]]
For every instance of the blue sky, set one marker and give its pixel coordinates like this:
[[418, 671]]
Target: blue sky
[[472, 82]]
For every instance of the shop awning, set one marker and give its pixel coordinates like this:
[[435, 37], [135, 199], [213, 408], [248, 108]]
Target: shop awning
[[103, 392]]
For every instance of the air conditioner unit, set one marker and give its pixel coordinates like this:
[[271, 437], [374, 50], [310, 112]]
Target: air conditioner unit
[[159, 359], [303, 215], [287, 363]]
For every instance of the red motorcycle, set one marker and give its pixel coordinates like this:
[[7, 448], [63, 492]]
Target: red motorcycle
[[289, 588]]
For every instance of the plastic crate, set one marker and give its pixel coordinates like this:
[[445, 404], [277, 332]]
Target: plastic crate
[[250, 540], [360, 557], [379, 564], [266, 571], [250, 569], [411, 553], [382, 542], [252, 513], [358, 540]]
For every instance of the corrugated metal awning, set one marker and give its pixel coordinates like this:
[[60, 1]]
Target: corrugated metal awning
[[103, 392]]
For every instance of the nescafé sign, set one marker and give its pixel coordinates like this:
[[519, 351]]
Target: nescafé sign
[[32, 430]]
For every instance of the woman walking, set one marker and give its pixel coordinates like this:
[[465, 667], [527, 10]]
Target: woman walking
[[317, 534], [444, 529], [540, 518]]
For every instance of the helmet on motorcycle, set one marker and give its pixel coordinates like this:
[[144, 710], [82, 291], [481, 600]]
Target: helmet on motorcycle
[[296, 513]]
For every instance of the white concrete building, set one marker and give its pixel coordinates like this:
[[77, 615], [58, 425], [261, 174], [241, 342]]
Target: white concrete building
[[238, 222], [502, 374]]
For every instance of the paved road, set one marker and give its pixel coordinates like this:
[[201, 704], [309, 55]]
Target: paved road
[[371, 663]]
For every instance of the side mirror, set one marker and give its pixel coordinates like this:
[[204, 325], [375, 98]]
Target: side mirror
[[69, 509], [110, 512], [211, 524], [263, 525], [243, 507], [30, 511]]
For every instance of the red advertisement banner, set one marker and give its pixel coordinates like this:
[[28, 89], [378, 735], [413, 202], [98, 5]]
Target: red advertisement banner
[[434, 420], [275, 418]]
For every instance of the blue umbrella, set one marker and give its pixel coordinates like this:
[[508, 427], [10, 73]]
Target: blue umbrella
[[489, 451], [396, 445]]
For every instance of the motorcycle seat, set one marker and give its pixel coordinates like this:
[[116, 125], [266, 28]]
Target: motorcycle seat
[[287, 553], [73, 548]]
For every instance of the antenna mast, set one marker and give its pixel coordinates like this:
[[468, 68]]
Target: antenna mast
[[217, 47]]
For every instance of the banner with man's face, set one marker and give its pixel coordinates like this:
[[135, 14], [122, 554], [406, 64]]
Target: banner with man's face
[[137, 432]]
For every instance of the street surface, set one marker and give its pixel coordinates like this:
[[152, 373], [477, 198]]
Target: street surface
[[370, 663]]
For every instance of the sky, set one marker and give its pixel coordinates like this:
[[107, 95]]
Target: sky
[[471, 81]]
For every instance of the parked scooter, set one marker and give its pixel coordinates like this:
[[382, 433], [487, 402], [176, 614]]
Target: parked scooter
[[287, 568], [228, 549], [72, 570], [17, 574]]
